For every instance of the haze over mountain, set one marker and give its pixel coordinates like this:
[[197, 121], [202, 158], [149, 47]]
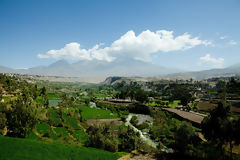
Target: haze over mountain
[[233, 70], [96, 71], [95, 68]]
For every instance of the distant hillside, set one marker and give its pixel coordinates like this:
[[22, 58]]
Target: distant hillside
[[6, 70], [140, 80], [97, 71], [225, 72]]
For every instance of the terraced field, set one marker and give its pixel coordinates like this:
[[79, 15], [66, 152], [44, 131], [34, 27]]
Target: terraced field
[[96, 113]]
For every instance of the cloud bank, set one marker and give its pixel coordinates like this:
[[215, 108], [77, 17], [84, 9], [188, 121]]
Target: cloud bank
[[210, 61], [139, 47], [232, 42]]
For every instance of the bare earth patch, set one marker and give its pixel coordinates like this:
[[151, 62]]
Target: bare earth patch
[[207, 106], [114, 121], [187, 115]]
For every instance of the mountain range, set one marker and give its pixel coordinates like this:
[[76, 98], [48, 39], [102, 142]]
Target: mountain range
[[99, 70], [95, 68]]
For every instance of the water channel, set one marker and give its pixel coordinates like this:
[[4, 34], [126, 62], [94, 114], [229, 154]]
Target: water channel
[[145, 137]]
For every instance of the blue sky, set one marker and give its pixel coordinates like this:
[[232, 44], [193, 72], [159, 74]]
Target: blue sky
[[29, 28]]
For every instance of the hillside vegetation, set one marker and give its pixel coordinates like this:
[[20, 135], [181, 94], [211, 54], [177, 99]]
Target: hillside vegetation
[[22, 149]]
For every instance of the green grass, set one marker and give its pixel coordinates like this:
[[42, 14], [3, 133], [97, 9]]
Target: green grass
[[174, 104], [43, 128], [61, 132], [53, 136], [80, 135], [39, 99], [101, 95], [22, 149], [32, 135], [53, 96], [7, 99], [92, 113], [152, 103], [54, 117], [71, 122]]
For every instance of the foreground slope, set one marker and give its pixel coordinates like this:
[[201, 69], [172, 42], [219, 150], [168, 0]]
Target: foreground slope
[[22, 149]]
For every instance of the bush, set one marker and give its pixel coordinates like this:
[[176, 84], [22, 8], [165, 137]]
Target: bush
[[139, 109], [129, 139], [185, 139], [143, 126], [134, 120], [21, 120], [102, 137]]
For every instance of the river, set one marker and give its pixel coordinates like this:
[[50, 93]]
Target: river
[[143, 137], [146, 138]]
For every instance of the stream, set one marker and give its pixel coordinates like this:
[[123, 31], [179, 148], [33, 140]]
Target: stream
[[146, 138], [143, 137]]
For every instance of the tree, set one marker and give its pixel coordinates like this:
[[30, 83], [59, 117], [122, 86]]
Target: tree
[[35, 92], [220, 85], [43, 93], [181, 92], [141, 96], [162, 128], [129, 139], [0, 95], [102, 136], [184, 138], [3, 118], [233, 86], [22, 119], [219, 127]]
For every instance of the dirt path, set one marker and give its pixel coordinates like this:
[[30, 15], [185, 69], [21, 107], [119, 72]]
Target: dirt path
[[114, 121], [115, 103]]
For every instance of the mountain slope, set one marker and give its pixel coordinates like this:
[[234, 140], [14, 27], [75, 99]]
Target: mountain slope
[[96, 68], [89, 70], [199, 75], [6, 70]]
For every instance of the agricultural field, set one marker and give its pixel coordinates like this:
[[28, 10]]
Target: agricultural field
[[173, 104], [96, 113], [54, 99], [53, 96], [206, 106], [54, 102], [101, 95], [22, 149], [60, 127]]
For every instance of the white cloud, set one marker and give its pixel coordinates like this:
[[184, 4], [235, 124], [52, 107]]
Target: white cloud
[[210, 61], [223, 37], [129, 45], [232, 42], [74, 51]]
